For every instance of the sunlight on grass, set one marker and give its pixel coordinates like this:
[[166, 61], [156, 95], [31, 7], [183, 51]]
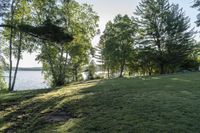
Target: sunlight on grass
[[116, 105], [155, 78], [179, 79]]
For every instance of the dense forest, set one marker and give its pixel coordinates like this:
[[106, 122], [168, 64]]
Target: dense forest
[[157, 39]]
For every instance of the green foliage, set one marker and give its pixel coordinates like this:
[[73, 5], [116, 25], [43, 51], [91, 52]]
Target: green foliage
[[63, 63], [197, 5], [48, 32], [157, 40], [2, 82], [118, 42], [165, 29], [4, 5], [50, 23], [14, 41], [192, 63], [143, 61], [91, 70], [2, 65]]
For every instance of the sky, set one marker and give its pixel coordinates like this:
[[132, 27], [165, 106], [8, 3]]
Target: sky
[[107, 10]]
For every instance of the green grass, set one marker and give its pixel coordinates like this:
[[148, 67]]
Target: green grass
[[168, 104]]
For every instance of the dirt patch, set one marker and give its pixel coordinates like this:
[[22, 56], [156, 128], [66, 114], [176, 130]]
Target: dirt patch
[[10, 131], [58, 116]]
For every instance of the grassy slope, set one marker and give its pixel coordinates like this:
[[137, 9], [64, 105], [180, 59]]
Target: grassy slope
[[151, 104]]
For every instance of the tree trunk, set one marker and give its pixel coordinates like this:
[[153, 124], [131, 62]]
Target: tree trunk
[[122, 69], [65, 64], [108, 72], [149, 73], [76, 75], [162, 68], [61, 77], [10, 47], [121, 72], [18, 59], [51, 64], [10, 61], [61, 61]]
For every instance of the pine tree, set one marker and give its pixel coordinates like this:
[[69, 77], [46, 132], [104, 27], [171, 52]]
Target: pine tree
[[4, 5], [197, 5], [164, 28]]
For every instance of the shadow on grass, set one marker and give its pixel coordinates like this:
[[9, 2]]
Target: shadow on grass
[[121, 105], [20, 109], [30, 111], [135, 108], [14, 98], [152, 107]]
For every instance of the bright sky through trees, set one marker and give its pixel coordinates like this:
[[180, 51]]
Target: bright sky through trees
[[108, 9]]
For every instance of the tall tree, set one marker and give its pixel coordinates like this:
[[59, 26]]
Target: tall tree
[[17, 44], [12, 11], [21, 19], [119, 42], [2, 66], [4, 7], [164, 28], [61, 62], [99, 57], [22, 14], [197, 5]]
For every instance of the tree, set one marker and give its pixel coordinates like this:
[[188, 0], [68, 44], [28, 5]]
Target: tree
[[99, 57], [4, 7], [12, 11], [20, 44], [91, 70], [118, 39], [2, 82], [62, 62], [20, 12], [197, 5], [142, 61], [165, 29], [2, 65], [22, 19]]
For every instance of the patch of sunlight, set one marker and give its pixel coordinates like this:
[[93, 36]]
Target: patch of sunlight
[[74, 97], [155, 78], [45, 110], [5, 126], [69, 125], [69, 93], [168, 86], [183, 80], [9, 110], [186, 92]]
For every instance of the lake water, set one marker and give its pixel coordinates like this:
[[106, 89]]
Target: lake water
[[29, 80]]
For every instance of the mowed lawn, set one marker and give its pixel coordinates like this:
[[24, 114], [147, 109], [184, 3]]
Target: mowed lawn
[[168, 104]]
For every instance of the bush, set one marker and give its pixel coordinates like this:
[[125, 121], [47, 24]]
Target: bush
[[190, 65], [2, 82]]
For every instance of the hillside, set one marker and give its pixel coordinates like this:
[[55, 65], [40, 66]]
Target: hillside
[[150, 104]]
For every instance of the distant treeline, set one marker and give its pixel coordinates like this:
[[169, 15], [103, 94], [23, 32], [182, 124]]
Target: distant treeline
[[28, 68]]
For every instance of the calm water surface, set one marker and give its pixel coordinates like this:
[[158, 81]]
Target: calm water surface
[[29, 80]]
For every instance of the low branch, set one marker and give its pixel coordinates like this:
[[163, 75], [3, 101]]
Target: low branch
[[28, 33], [7, 25]]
